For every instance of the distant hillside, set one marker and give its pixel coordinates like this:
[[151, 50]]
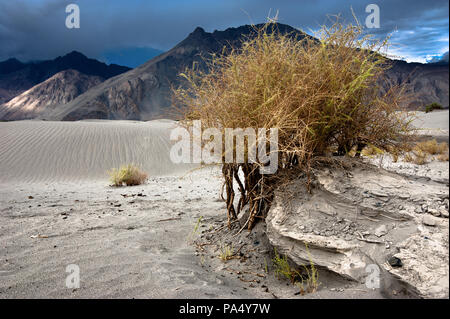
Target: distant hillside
[[427, 83], [17, 77], [61, 88]]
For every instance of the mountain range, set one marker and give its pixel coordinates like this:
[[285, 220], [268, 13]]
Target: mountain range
[[61, 88], [17, 77], [144, 93]]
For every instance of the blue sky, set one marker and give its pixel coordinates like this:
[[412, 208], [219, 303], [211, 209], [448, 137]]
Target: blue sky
[[35, 29]]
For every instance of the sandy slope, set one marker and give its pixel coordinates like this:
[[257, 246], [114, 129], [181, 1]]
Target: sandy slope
[[39, 151]]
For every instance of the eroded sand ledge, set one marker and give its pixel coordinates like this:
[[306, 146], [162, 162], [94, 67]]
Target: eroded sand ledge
[[41, 151], [364, 215]]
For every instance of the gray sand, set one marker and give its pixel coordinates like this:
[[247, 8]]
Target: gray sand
[[57, 209]]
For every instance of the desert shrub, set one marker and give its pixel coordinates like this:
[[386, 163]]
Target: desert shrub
[[433, 106], [409, 158], [394, 157], [320, 93], [395, 153], [128, 175], [420, 153]]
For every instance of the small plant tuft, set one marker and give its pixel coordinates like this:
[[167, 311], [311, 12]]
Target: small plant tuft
[[283, 269], [417, 157], [309, 283], [196, 228], [307, 279], [443, 157], [226, 252], [424, 151]]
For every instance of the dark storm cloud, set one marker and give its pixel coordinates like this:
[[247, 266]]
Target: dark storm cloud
[[35, 29]]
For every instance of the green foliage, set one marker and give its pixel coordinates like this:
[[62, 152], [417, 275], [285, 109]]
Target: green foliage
[[226, 252], [196, 229], [307, 279], [283, 269], [433, 106]]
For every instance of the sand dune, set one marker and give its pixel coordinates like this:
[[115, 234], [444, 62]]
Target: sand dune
[[41, 151], [32, 151]]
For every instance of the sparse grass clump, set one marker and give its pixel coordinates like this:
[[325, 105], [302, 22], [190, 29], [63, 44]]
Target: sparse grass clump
[[196, 229], [417, 157], [283, 269], [420, 157], [226, 252], [309, 283], [395, 153], [128, 175], [320, 93], [306, 279], [443, 157]]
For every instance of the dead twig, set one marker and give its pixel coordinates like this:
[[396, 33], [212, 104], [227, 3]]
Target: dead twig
[[168, 219], [361, 238]]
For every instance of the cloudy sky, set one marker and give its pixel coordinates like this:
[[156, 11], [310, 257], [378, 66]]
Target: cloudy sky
[[35, 29]]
